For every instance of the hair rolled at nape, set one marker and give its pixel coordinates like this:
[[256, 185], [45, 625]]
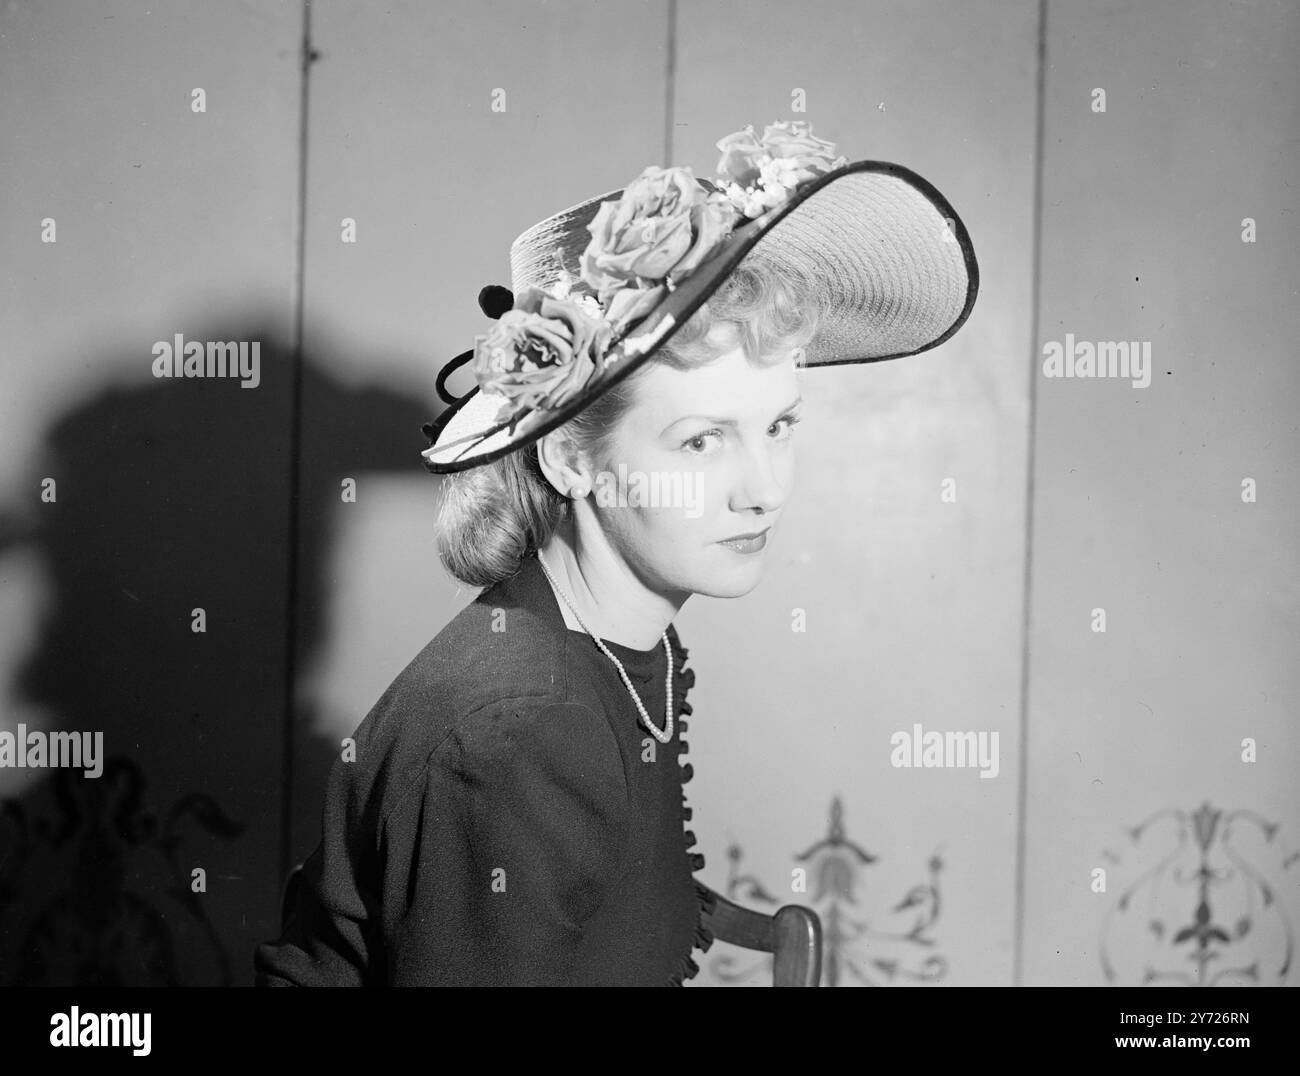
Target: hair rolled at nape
[[492, 516]]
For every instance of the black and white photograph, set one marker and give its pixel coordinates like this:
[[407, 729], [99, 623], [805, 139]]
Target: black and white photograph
[[620, 493]]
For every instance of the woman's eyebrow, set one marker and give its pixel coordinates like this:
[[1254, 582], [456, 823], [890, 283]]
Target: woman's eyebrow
[[730, 421]]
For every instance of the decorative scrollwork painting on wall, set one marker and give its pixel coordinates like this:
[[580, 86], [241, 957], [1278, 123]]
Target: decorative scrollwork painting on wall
[[96, 892], [859, 946], [1202, 910]]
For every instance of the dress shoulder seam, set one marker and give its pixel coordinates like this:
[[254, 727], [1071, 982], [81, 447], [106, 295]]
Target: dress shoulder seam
[[418, 778]]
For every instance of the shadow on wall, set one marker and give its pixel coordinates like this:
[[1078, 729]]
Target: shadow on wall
[[171, 515]]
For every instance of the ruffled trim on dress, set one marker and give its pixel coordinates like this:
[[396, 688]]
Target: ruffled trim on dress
[[703, 938]]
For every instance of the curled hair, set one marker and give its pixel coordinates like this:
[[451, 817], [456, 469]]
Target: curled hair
[[494, 515]]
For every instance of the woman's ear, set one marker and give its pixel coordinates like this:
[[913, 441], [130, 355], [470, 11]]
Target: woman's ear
[[562, 463]]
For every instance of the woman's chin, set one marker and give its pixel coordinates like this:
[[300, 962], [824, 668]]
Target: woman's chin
[[734, 579]]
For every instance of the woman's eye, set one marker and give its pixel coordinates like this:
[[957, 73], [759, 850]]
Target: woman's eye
[[791, 422], [699, 437]]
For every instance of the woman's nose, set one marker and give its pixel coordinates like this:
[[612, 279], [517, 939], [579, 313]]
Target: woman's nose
[[765, 479]]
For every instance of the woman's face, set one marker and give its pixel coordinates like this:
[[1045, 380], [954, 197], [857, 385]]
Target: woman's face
[[701, 456]]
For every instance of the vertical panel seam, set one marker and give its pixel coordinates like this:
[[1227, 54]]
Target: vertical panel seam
[[1036, 242], [670, 75], [306, 57]]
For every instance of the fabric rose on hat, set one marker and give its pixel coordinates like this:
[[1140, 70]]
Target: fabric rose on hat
[[760, 174], [541, 353], [661, 228]]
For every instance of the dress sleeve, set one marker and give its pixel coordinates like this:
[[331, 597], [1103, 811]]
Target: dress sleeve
[[331, 937], [498, 857]]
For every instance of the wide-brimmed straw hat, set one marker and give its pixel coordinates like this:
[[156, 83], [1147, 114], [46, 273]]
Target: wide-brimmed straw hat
[[598, 288]]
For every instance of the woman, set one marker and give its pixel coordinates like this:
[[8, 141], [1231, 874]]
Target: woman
[[513, 810]]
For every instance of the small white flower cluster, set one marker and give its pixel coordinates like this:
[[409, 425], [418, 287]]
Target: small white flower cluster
[[777, 180], [563, 283], [589, 304]]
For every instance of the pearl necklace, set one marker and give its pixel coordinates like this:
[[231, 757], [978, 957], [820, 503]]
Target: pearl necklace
[[667, 734]]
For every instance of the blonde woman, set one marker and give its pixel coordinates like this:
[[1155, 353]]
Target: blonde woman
[[515, 812]]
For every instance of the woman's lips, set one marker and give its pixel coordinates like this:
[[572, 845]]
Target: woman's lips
[[746, 545]]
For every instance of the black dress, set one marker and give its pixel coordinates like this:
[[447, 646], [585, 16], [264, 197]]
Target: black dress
[[506, 818]]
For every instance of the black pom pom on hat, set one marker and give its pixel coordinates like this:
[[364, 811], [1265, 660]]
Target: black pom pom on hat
[[494, 300]]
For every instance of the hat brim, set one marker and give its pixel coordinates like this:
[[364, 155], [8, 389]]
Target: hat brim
[[897, 275]]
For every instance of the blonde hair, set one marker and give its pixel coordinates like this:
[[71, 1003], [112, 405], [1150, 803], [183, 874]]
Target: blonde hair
[[494, 515]]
